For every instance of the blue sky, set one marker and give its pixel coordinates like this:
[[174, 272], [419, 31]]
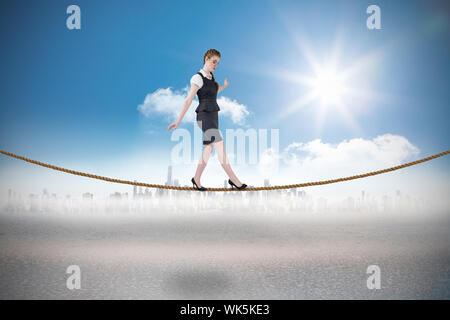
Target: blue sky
[[71, 97]]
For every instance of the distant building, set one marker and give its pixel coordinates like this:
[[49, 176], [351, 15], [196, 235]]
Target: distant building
[[87, 195], [169, 176], [293, 192], [115, 195]]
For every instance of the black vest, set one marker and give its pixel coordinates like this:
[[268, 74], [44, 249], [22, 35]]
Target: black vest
[[207, 96]]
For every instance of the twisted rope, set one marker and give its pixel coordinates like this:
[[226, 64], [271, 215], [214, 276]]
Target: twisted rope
[[289, 186]]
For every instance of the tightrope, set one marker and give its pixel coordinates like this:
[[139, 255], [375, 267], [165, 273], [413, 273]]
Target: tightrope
[[289, 186]]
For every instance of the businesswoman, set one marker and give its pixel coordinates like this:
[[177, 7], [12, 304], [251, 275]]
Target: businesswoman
[[205, 86]]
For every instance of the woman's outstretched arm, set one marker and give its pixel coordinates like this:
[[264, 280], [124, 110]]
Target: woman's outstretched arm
[[186, 105], [225, 84]]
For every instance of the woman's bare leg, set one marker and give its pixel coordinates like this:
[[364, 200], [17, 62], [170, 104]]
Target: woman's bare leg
[[221, 154], [202, 163]]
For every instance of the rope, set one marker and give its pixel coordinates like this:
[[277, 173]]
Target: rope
[[289, 186]]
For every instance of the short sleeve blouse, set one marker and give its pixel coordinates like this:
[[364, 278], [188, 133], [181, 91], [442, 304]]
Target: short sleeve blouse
[[197, 79]]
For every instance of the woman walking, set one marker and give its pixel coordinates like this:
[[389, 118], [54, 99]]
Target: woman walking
[[205, 86]]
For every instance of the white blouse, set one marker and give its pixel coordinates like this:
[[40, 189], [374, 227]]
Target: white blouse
[[198, 80]]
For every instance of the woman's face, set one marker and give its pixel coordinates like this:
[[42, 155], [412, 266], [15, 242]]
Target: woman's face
[[212, 62]]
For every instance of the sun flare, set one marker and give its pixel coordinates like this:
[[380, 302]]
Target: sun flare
[[332, 85], [328, 86]]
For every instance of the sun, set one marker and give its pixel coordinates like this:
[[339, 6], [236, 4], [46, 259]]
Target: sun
[[335, 85], [328, 86]]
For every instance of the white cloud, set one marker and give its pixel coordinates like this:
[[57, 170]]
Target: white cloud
[[236, 111], [169, 102], [316, 160], [165, 101], [348, 155]]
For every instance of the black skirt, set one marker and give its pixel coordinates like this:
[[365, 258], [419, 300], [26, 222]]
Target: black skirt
[[209, 124]]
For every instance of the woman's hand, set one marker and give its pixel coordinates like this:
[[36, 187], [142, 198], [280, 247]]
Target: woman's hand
[[225, 84], [173, 125]]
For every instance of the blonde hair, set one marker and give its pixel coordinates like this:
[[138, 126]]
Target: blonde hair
[[211, 53]]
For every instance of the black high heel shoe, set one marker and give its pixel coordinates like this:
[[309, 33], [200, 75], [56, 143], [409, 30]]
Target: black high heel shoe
[[195, 185], [233, 185]]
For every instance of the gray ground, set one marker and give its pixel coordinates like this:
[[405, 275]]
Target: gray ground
[[218, 255]]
